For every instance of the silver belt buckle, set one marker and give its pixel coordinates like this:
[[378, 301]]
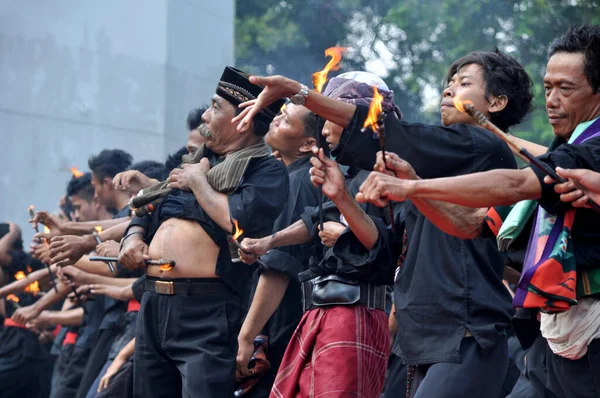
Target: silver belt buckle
[[164, 287]]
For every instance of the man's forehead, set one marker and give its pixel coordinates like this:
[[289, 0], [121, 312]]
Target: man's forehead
[[565, 68]]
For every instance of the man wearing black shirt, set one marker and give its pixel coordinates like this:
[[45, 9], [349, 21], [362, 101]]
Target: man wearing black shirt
[[453, 310], [276, 306], [190, 316], [340, 263], [572, 85]]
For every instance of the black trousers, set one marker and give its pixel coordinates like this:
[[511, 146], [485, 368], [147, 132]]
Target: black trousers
[[479, 374], [579, 378], [69, 379], [186, 345], [96, 361], [395, 378], [19, 377]]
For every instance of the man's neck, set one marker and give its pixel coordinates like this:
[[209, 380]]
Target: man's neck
[[242, 143], [288, 159], [121, 200]]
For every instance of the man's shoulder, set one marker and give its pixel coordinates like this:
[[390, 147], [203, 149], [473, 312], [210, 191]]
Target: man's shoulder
[[267, 163]]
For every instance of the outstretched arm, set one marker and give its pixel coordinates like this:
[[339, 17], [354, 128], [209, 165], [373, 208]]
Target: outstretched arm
[[490, 188]]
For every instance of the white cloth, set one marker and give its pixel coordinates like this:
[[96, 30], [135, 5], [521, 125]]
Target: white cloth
[[569, 333]]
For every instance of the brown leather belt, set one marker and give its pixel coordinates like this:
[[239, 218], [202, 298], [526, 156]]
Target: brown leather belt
[[188, 287]]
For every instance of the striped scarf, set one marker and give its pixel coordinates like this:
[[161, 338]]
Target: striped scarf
[[225, 177]]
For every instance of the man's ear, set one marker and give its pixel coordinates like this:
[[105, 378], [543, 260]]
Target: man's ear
[[308, 144], [497, 103], [108, 182], [245, 127]]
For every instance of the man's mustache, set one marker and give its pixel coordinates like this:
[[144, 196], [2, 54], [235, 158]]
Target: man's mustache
[[204, 131]]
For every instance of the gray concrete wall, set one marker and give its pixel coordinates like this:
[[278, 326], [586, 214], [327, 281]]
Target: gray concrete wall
[[80, 76]]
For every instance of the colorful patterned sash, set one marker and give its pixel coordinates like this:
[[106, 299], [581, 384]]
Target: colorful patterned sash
[[549, 277]]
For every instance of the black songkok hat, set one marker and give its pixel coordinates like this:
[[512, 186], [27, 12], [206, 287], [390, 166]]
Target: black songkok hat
[[235, 87]]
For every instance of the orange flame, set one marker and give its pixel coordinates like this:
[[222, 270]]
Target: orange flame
[[46, 230], [460, 105], [165, 267], [12, 297], [375, 110], [98, 228], [33, 288], [238, 231], [19, 275], [319, 78], [76, 173], [283, 108]]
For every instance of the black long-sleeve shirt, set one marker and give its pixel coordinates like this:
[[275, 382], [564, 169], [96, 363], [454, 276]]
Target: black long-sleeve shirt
[[446, 285]]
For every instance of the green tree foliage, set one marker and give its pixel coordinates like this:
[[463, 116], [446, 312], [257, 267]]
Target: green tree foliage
[[410, 43]]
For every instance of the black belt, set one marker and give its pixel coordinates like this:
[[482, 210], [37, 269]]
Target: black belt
[[372, 296], [196, 287]]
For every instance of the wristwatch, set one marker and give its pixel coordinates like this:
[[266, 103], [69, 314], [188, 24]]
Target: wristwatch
[[300, 97]]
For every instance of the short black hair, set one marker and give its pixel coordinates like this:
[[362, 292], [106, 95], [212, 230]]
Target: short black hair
[[309, 121], [82, 187], [194, 118], [109, 163], [582, 39], [503, 75], [151, 169], [174, 160], [18, 243]]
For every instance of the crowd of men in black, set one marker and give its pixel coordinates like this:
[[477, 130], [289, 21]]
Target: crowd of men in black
[[347, 299]]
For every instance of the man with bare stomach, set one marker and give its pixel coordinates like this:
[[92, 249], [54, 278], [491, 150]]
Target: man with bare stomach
[[190, 315]]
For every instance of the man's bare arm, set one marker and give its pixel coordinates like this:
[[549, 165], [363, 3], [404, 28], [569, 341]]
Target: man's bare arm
[[71, 317], [20, 285], [460, 221], [295, 234], [490, 188], [214, 203]]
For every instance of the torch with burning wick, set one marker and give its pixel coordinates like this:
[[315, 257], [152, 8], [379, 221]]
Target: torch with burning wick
[[14, 300], [468, 108], [318, 80], [165, 265], [36, 229], [233, 239], [376, 122], [95, 231]]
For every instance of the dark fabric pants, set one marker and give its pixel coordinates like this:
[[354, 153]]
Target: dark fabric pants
[[395, 378], [479, 374], [61, 364], [70, 378], [536, 369], [19, 377], [186, 345], [97, 359], [577, 379]]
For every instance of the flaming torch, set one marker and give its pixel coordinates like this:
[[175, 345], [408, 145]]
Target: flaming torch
[[14, 300], [376, 122], [233, 239], [318, 80], [95, 231], [31, 210], [76, 173], [165, 265], [467, 107]]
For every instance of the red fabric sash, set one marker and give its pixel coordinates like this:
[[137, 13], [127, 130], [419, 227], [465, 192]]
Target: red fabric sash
[[70, 338], [133, 305], [10, 323]]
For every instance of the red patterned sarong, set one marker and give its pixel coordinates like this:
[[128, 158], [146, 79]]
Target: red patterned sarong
[[340, 351]]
